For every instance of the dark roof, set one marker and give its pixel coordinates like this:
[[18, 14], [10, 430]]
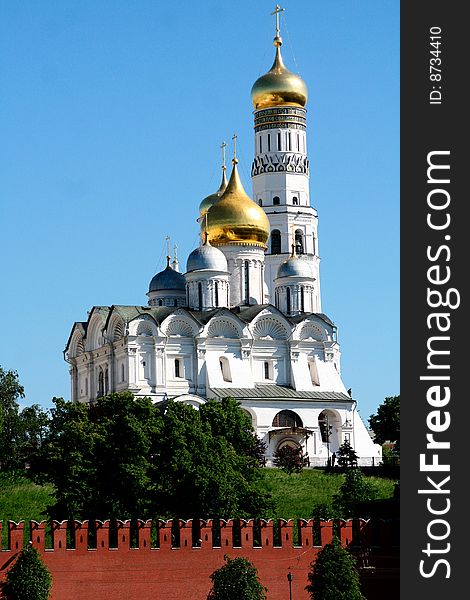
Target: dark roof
[[273, 391]]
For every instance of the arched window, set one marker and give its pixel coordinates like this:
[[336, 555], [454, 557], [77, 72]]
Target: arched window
[[288, 301], [225, 368], [100, 383], [275, 241], [269, 142], [106, 381], [216, 293], [260, 202], [175, 302], [267, 370], [160, 303], [295, 201], [178, 368], [123, 376], [276, 200], [324, 421], [199, 295], [299, 241], [287, 418], [302, 299]]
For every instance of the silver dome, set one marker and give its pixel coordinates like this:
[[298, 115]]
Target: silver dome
[[206, 257], [168, 279], [295, 267]]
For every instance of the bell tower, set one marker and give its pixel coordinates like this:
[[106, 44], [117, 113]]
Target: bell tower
[[280, 170]]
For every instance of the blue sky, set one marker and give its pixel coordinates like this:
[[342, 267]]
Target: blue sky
[[111, 120]]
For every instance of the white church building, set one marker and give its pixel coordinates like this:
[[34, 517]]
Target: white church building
[[245, 319]]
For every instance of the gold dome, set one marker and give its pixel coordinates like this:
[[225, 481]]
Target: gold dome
[[235, 218], [212, 199], [279, 85]]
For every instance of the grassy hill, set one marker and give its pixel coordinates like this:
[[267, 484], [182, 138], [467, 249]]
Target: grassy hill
[[294, 495]]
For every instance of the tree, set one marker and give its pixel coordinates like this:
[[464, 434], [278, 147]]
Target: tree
[[334, 575], [10, 391], [125, 457], [386, 423], [28, 578], [289, 459], [238, 578], [346, 455], [354, 491], [208, 463]]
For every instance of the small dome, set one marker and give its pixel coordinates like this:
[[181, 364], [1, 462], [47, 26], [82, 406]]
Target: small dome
[[207, 258], [295, 267], [279, 85], [235, 218], [168, 279], [212, 198]]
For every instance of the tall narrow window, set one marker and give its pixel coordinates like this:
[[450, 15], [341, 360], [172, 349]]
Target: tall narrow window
[[299, 242], [122, 372], [199, 295], [289, 140], [225, 368], [86, 386], [177, 368], [275, 241], [106, 381], [260, 143], [288, 301], [100, 382], [267, 373], [269, 142], [216, 293], [260, 202], [160, 303], [312, 366], [276, 200], [298, 143], [279, 141], [302, 299], [247, 282]]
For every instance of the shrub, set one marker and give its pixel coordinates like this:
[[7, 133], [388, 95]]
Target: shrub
[[28, 578], [334, 575]]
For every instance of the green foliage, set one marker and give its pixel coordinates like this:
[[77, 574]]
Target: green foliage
[[125, 457], [237, 579], [334, 575], [289, 459], [28, 578], [346, 455], [355, 490], [10, 391], [21, 431], [386, 423]]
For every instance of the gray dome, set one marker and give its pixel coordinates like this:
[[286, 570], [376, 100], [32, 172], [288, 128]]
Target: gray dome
[[206, 257], [168, 279], [295, 267]]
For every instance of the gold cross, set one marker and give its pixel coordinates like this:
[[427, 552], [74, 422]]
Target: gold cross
[[234, 138], [168, 246], [277, 12], [223, 146]]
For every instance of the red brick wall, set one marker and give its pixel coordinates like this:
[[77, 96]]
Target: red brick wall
[[175, 573]]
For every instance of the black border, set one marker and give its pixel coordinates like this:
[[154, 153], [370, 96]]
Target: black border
[[425, 128]]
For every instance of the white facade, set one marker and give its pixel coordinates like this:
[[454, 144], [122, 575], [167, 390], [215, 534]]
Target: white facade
[[244, 320]]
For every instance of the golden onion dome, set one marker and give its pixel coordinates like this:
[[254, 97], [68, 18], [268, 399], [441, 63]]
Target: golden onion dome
[[212, 199], [235, 218], [279, 85]]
